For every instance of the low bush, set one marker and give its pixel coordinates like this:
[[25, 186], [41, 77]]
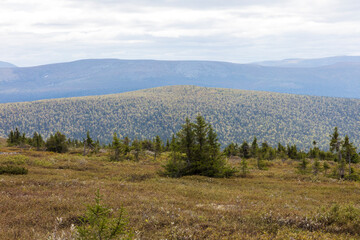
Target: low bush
[[340, 218], [99, 223], [14, 170]]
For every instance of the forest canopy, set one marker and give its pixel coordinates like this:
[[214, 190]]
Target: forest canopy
[[236, 115]]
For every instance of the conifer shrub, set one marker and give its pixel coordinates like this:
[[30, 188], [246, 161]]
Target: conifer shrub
[[99, 223], [13, 170], [340, 218], [196, 151], [57, 143], [303, 166]]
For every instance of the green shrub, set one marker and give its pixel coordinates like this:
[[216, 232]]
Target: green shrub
[[99, 223], [14, 170], [57, 143], [15, 159], [340, 218]]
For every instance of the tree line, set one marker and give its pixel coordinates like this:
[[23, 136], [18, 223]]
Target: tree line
[[235, 115], [195, 150]]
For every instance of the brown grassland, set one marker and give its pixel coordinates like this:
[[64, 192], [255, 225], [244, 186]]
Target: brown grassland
[[274, 204]]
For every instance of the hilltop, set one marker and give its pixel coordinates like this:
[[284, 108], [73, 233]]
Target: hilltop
[[6, 65], [335, 77], [311, 63], [236, 115]]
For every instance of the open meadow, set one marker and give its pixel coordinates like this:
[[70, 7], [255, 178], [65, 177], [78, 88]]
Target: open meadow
[[277, 203]]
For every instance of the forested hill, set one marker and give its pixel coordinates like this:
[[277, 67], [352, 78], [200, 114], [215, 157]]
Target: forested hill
[[106, 76], [236, 115]]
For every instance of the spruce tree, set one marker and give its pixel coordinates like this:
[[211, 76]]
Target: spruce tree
[[199, 145], [245, 150], [243, 167], [316, 167], [254, 148], [116, 146], [303, 166], [326, 167], [57, 143], [157, 146], [349, 151], [37, 141], [88, 143], [126, 143], [136, 146], [335, 146], [187, 141]]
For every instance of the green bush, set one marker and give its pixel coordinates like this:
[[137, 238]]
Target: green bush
[[15, 160], [98, 223], [14, 170], [340, 218], [195, 151], [57, 143]]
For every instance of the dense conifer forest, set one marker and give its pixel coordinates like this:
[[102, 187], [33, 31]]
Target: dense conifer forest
[[236, 115]]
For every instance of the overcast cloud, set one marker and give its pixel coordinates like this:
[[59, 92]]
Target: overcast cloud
[[34, 32]]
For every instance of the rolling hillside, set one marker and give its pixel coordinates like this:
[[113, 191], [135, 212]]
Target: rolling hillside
[[236, 115], [106, 76], [310, 63], [6, 65]]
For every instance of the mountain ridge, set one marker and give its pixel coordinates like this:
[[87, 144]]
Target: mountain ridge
[[6, 65], [108, 76], [309, 63]]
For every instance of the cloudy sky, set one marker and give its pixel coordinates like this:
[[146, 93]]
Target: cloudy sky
[[34, 32]]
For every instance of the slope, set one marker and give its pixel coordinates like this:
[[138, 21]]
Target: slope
[[97, 77], [310, 63], [236, 115], [6, 65]]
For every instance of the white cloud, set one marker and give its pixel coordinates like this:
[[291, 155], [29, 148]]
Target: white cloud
[[38, 32]]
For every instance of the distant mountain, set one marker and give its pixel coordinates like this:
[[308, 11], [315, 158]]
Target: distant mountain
[[310, 63], [236, 115], [105, 76], [6, 65]]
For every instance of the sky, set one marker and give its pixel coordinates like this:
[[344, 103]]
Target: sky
[[36, 32]]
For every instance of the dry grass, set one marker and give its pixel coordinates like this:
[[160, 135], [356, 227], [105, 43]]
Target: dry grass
[[272, 204]]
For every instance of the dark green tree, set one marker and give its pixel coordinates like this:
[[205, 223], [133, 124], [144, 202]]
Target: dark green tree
[[326, 167], [231, 150], [99, 223], [199, 144], [88, 144], [136, 146], [186, 138], [349, 151], [292, 151], [254, 148], [335, 146], [303, 166], [167, 145], [316, 167], [57, 143], [37, 141], [244, 167], [116, 146], [157, 146], [126, 143], [16, 138], [245, 150]]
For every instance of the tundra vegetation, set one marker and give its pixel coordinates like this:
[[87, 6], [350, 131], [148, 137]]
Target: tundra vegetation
[[187, 188]]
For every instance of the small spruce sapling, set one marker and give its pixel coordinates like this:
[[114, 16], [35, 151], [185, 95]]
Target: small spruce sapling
[[303, 166], [316, 167], [98, 223], [326, 167]]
